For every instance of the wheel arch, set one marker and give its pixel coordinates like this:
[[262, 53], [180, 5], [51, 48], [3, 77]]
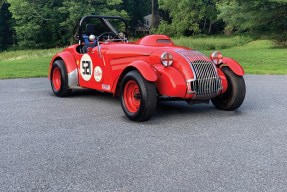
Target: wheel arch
[[233, 65], [71, 67], [143, 68]]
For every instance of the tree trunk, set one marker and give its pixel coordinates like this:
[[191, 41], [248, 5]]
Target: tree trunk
[[204, 25], [210, 27], [152, 14]]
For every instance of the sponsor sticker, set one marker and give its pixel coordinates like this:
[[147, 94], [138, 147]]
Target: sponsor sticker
[[98, 74], [106, 87]]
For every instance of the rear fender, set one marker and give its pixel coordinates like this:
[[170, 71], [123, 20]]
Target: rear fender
[[71, 67], [233, 65]]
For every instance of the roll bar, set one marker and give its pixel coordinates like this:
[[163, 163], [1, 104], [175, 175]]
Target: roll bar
[[104, 20]]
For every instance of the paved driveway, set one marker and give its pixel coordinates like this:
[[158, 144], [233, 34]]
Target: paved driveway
[[85, 143]]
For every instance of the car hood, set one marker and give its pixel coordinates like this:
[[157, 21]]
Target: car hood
[[123, 50]]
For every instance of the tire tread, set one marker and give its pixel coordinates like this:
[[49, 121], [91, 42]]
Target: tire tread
[[64, 90], [238, 91]]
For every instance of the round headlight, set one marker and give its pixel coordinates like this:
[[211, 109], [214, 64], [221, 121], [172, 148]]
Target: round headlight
[[166, 59], [216, 57]]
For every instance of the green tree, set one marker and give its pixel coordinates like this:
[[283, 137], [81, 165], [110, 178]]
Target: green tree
[[7, 35], [36, 22], [188, 16], [50, 23], [74, 10], [136, 10], [258, 17]]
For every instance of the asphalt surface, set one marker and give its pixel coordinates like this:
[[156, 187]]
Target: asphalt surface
[[85, 142]]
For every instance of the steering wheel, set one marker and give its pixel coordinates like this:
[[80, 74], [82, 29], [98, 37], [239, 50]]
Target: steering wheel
[[106, 34], [108, 39]]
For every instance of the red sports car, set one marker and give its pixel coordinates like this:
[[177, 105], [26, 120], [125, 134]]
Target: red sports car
[[144, 71]]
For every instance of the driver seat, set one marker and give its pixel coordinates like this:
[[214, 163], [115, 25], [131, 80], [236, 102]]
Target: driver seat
[[90, 29]]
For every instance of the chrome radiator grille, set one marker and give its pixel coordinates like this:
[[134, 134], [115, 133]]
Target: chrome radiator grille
[[206, 83]]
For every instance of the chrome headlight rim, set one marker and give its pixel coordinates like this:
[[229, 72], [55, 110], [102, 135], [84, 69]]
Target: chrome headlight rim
[[166, 59], [216, 57]]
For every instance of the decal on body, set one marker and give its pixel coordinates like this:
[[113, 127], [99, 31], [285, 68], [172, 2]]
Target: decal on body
[[98, 74], [86, 67], [106, 87]]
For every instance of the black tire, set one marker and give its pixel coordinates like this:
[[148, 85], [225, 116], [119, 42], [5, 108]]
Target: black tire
[[235, 93], [147, 97], [63, 89]]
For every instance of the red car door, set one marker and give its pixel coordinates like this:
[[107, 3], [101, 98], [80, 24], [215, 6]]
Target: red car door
[[94, 71]]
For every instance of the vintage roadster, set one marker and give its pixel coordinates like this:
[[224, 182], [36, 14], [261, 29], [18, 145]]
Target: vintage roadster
[[143, 72]]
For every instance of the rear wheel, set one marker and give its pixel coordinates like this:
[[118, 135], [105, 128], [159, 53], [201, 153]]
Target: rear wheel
[[59, 79], [235, 93], [138, 97]]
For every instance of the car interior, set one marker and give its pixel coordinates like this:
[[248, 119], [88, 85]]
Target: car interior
[[95, 31], [90, 30]]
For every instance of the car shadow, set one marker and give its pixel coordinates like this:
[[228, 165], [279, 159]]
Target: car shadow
[[165, 109], [91, 94], [169, 108]]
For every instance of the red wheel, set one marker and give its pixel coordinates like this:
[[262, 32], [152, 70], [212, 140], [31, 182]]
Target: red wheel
[[138, 96], [59, 79], [56, 79], [132, 96]]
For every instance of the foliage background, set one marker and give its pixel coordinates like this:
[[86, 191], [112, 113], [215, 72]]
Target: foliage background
[[34, 24]]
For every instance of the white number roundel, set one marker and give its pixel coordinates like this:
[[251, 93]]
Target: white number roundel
[[86, 67]]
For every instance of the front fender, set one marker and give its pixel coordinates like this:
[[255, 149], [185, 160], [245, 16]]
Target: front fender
[[145, 69], [233, 65]]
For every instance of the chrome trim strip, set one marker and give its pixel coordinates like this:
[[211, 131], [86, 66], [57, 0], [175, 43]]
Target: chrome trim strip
[[206, 83], [189, 88], [179, 52], [73, 81]]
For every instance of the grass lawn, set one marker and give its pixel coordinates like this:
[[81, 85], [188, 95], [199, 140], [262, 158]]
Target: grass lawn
[[212, 43], [26, 63], [256, 57], [259, 57]]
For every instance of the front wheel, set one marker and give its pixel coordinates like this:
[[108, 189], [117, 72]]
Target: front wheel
[[138, 97], [235, 93]]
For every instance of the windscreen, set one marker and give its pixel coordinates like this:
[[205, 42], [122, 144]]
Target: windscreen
[[97, 26]]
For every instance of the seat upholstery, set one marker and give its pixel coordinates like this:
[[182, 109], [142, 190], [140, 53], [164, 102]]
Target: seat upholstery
[[90, 29]]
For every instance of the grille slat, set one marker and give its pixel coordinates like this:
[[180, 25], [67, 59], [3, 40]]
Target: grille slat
[[207, 83]]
